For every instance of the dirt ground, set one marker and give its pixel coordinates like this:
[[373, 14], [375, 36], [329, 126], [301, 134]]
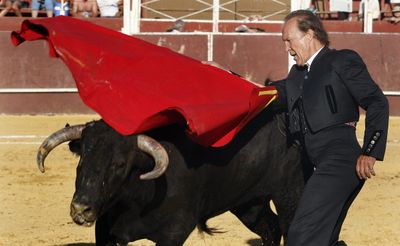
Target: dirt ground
[[34, 207]]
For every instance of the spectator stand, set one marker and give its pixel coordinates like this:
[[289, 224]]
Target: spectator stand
[[220, 13], [212, 13]]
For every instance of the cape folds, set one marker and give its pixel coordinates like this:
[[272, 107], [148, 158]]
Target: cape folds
[[136, 86]]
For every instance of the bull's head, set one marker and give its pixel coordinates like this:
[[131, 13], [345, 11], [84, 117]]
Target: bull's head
[[107, 158]]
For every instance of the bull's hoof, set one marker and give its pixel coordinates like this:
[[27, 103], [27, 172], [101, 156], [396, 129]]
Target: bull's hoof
[[270, 243]]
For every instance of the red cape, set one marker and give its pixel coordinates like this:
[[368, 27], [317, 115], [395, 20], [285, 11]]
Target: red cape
[[136, 86]]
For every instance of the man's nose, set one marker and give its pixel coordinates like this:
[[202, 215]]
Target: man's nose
[[287, 47]]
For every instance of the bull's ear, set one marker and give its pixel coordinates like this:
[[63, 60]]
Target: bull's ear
[[75, 146]]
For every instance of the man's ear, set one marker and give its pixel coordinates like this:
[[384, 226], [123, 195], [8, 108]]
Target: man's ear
[[310, 34], [75, 146]]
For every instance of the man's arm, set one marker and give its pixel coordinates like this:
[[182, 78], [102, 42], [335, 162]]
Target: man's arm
[[370, 97], [281, 101]]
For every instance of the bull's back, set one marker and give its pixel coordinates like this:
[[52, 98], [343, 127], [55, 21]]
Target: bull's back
[[220, 178]]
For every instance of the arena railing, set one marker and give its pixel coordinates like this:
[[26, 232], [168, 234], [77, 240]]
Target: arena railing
[[266, 11]]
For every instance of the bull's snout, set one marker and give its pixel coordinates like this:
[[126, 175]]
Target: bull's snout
[[82, 214]]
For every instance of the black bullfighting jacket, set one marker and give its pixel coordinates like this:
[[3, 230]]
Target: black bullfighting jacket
[[337, 84]]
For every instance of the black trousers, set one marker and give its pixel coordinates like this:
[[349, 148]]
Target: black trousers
[[330, 190]]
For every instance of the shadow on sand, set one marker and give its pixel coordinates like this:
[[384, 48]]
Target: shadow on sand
[[251, 242], [77, 244], [256, 242]]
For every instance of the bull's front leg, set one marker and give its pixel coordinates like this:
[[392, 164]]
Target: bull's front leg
[[260, 219], [175, 235], [165, 229], [173, 229], [103, 234]]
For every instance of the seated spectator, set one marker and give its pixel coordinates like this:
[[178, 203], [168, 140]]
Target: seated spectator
[[40, 4], [244, 28], [396, 11], [178, 26], [395, 7], [11, 5], [320, 8], [396, 14], [61, 7], [375, 8], [109, 8], [342, 7], [386, 9], [85, 8]]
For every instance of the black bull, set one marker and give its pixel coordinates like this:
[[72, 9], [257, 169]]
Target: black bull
[[242, 177]]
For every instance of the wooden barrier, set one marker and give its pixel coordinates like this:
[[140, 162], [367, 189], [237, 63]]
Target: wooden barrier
[[256, 57]]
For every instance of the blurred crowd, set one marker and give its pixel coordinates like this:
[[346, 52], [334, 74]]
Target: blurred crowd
[[76, 8], [343, 9], [381, 9], [387, 10]]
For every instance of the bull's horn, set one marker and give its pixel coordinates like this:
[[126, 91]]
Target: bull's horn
[[66, 134], [157, 151]]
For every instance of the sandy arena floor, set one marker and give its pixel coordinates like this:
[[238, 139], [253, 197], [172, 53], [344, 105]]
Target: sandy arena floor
[[34, 207]]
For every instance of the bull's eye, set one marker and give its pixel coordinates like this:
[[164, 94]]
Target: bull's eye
[[75, 146]]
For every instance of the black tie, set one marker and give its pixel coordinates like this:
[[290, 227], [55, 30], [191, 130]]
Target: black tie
[[306, 67]]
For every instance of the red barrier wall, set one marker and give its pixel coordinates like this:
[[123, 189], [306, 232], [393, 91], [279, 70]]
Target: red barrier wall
[[256, 57]]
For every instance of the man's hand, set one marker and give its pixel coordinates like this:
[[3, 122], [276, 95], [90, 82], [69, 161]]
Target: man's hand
[[365, 166]]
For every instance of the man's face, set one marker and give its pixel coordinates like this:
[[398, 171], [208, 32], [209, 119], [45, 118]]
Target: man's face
[[297, 43]]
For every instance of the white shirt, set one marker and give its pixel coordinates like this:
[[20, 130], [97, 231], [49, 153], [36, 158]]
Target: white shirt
[[341, 5], [309, 61], [108, 8]]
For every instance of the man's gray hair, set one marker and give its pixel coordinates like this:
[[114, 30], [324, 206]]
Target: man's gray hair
[[306, 20]]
